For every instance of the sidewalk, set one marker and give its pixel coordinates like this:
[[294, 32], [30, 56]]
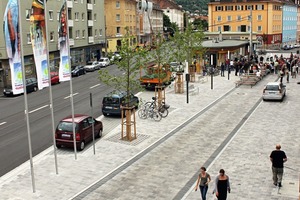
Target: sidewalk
[[179, 145]]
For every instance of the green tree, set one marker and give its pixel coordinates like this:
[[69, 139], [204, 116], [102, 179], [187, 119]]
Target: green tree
[[200, 23], [129, 66], [166, 21]]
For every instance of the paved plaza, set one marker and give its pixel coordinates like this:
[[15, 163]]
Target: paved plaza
[[227, 127]]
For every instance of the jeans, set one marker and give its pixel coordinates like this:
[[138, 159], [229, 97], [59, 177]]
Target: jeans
[[277, 175], [203, 190]]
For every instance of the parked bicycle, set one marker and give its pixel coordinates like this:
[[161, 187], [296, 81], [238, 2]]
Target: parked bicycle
[[150, 109]]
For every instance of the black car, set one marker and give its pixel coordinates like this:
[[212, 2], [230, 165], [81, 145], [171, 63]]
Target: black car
[[78, 70], [31, 86], [112, 102]]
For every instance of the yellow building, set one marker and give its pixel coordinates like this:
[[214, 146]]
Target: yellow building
[[235, 16], [119, 14]]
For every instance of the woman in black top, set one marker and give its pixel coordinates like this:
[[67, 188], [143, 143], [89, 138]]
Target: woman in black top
[[222, 185]]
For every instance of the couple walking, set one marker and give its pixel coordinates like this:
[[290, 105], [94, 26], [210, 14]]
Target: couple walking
[[222, 185]]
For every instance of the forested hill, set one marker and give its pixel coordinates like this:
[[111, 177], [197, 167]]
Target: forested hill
[[193, 5]]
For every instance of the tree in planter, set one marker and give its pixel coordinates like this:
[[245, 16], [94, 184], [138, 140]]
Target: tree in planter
[[128, 81]]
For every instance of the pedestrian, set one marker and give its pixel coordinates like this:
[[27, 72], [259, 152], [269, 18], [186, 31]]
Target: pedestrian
[[281, 75], [203, 179], [222, 185], [222, 69], [287, 76], [277, 158]]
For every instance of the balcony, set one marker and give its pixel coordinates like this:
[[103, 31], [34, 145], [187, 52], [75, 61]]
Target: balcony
[[70, 23], [90, 23], [69, 4], [89, 6], [71, 42], [91, 39]]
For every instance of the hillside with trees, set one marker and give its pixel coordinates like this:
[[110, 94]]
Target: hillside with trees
[[194, 6]]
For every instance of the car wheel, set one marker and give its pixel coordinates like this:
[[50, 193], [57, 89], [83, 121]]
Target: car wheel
[[105, 114], [81, 146], [35, 88], [99, 134], [58, 146]]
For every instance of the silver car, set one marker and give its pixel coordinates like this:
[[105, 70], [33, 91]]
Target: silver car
[[274, 91]]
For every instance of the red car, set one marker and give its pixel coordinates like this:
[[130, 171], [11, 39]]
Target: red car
[[54, 78], [83, 130]]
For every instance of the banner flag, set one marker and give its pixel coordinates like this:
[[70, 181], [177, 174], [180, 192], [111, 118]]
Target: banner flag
[[64, 68], [39, 42], [12, 40]]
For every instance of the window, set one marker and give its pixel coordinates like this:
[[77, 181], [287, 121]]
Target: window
[[227, 28], [95, 17], [259, 28], [77, 34], [76, 16], [219, 8], [100, 32], [57, 15], [219, 28], [28, 12], [83, 16], [219, 18], [118, 17], [50, 15], [118, 30], [259, 7], [249, 29], [96, 32], [52, 36], [118, 4], [259, 17], [228, 18], [228, 7], [239, 18], [28, 38], [239, 7], [83, 33]]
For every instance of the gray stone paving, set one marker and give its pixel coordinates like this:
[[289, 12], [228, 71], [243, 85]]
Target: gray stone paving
[[164, 171]]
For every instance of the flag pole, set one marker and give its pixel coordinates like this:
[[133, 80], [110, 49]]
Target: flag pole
[[71, 84], [50, 87], [25, 97]]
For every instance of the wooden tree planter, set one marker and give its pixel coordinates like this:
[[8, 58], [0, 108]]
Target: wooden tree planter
[[160, 94], [179, 86], [128, 120], [192, 72]]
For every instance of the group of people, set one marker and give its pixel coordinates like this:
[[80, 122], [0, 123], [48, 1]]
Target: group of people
[[222, 183]]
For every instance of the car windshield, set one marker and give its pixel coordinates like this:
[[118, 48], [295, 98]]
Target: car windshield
[[66, 126], [101, 60], [272, 87], [110, 100]]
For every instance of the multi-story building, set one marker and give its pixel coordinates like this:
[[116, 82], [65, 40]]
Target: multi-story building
[[289, 23], [173, 11], [86, 34], [120, 14], [236, 16]]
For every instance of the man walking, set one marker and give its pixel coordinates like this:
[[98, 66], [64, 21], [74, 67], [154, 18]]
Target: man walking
[[277, 158]]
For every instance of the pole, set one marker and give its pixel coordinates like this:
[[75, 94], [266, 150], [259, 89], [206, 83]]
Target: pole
[[187, 78], [25, 97], [251, 50], [212, 77], [105, 37], [93, 128], [71, 85], [50, 88]]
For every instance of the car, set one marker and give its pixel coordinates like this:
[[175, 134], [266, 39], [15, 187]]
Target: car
[[116, 56], [78, 70], [83, 130], [296, 45], [274, 91], [112, 102], [31, 86], [104, 62], [286, 47], [91, 66], [54, 78], [176, 67]]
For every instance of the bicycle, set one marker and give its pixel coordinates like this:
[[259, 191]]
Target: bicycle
[[146, 110]]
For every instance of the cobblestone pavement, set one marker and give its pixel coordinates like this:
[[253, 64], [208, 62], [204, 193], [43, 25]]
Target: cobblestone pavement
[[226, 127]]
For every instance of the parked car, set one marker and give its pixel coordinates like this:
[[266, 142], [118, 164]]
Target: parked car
[[54, 78], [112, 102], [83, 130], [78, 70], [91, 66], [285, 47], [116, 56], [296, 45], [274, 91], [31, 86], [104, 62]]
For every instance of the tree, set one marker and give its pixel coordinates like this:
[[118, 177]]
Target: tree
[[132, 60], [200, 22], [166, 21]]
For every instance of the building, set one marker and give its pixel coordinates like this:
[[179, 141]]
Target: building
[[173, 11], [119, 15], [289, 23], [86, 34], [267, 18]]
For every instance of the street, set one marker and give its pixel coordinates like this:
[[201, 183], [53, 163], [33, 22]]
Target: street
[[13, 132]]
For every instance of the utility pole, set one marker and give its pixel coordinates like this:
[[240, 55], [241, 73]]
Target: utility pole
[[250, 49], [105, 37]]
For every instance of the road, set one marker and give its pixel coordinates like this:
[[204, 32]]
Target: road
[[13, 131]]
